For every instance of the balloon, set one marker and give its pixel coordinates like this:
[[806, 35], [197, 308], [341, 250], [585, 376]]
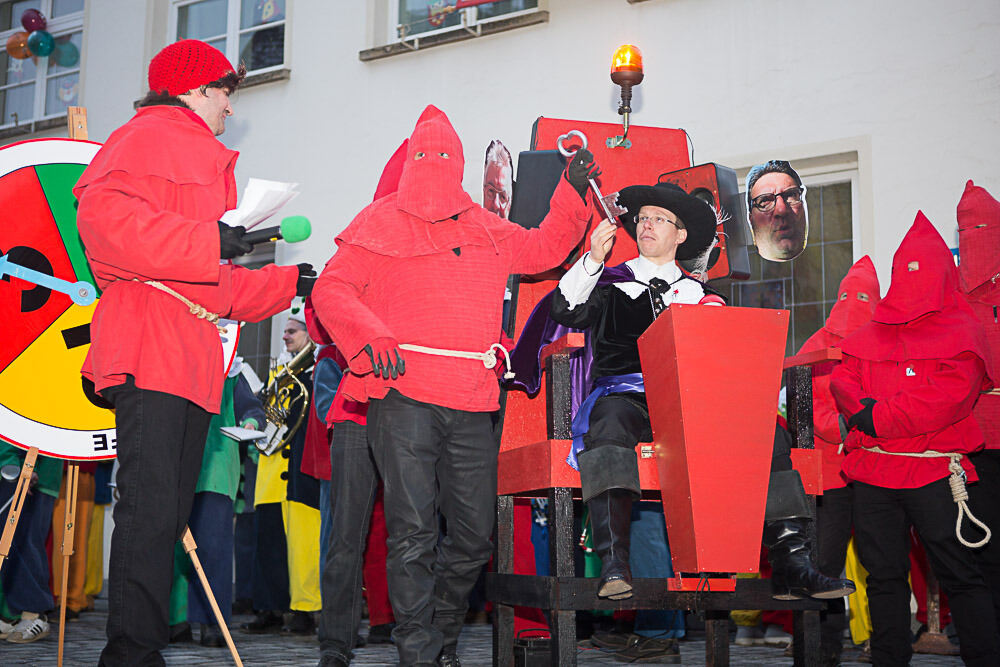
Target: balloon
[[17, 46], [33, 20], [66, 54], [41, 43]]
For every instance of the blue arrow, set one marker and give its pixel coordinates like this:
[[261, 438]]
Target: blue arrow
[[82, 292]]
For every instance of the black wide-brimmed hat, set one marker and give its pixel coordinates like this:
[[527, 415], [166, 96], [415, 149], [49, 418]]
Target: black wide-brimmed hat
[[698, 217]]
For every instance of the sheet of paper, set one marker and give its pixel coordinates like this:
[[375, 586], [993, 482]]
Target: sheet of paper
[[260, 200], [240, 434]]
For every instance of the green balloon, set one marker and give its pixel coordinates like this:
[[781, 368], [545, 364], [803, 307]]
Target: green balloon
[[41, 43], [66, 54]]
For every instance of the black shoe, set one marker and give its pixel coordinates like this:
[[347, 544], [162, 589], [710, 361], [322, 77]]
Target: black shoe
[[380, 634], [332, 661], [650, 649], [794, 577], [612, 640], [211, 635], [449, 660], [181, 633], [265, 621], [242, 606], [360, 642], [72, 615], [300, 623], [610, 522]]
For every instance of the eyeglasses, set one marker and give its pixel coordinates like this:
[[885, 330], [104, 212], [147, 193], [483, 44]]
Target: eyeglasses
[[656, 221], [766, 201]]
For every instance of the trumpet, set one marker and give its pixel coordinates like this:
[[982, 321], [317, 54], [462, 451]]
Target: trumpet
[[284, 395]]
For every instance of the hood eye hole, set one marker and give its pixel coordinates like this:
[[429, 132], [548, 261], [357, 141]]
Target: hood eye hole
[[913, 266], [444, 155], [863, 297], [418, 155], [843, 297]]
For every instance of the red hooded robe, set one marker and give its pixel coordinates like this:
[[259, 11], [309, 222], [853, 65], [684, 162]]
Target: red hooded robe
[[857, 297], [149, 207], [979, 270], [922, 358], [427, 266]]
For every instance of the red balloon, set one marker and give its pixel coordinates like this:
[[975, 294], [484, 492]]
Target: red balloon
[[17, 46], [33, 20]]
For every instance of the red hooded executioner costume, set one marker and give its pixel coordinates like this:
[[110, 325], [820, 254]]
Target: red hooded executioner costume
[[979, 271], [923, 359], [427, 266], [857, 297]]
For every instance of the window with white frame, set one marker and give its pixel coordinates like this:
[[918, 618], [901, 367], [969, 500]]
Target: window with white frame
[[34, 88], [418, 18], [247, 31]]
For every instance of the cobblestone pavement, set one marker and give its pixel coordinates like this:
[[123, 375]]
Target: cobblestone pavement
[[85, 638]]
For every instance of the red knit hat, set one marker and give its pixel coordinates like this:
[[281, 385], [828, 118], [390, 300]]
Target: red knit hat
[[185, 65]]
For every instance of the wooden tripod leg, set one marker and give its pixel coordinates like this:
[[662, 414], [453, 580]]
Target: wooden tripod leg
[[20, 492], [69, 531], [189, 547]]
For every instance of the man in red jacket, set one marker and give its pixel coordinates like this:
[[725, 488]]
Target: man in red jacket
[[979, 271], [857, 296], [421, 272], [149, 209], [909, 380]]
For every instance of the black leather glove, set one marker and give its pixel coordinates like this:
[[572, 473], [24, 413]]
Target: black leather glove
[[231, 243], [862, 420], [580, 170], [386, 358], [307, 278]]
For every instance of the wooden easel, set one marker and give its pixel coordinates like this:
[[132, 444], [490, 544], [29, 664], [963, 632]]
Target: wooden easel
[[20, 492]]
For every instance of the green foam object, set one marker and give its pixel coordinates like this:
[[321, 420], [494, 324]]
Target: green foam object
[[295, 228]]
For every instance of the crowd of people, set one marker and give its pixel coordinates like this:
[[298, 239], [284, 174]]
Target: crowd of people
[[382, 492]]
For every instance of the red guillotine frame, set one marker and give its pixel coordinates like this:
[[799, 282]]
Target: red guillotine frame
[[535, 442]]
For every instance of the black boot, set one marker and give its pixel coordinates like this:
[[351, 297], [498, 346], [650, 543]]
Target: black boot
[[610, 522], [794, 576]]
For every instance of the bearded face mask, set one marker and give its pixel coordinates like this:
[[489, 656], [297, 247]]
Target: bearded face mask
[[430, 187]]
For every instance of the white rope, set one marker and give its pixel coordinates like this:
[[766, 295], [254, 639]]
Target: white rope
[[489, 357], [195, 309], [958, 491]]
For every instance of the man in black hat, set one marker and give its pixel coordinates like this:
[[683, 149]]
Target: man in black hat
[[617, 305]]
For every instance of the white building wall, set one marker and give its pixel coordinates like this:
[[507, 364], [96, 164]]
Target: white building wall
[[911, 87]]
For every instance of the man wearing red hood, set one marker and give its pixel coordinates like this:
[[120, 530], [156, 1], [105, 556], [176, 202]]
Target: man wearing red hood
[[149, 209], [909, 379], [979, 271], [857, 297], [425, 266]]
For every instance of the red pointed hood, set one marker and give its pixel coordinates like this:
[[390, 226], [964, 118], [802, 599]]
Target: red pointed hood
[[923, 315], [978, 237], [857, 297], [430, 186], [389, 182], [924, 277]]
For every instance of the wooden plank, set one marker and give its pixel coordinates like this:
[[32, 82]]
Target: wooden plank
[[568, 344], [814, 357]]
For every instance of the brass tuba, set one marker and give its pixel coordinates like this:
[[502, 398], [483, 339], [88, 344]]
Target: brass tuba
[[280, 398]]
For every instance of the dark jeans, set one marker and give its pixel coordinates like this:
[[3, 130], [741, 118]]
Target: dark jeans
[[882, 520], [270, 562], [211, 526], [161, 438], [833, 532], [433, 458], [984, 499], [352, 495], [25, 573], [244, 546]]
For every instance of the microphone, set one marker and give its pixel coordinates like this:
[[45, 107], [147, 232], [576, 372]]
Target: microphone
[[293, 229]]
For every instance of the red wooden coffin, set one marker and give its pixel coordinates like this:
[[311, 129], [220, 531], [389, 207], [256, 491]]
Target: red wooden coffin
[[712, 378]]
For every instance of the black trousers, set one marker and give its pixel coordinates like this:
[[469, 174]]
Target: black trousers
[[352, 496], [882, 520], [433, 459], [270, 562], [984, 499], [833, 533], [161, 439]]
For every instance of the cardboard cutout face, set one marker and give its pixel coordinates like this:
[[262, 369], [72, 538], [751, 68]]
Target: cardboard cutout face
[[778, 217], [498, 179]]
